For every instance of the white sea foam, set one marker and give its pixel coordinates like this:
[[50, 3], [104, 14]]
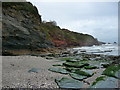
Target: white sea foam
[[106, 49]]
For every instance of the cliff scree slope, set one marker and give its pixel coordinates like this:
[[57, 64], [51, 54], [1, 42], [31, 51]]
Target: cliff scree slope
[[24, 29]]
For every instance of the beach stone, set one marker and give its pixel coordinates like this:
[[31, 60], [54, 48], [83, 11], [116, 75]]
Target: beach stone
[[69, 83], [35, 70], [108, 82], [49, 57], [59, 70]]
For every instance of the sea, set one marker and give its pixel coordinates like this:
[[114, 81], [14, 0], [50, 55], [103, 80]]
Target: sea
[[105, 49]]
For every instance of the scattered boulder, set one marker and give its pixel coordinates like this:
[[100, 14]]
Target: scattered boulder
[[69, 83], [59, 70], [112, 71], [75, 64], [35, 70], [77, 76]]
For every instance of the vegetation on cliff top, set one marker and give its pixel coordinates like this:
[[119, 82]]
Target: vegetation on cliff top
[[64, 37]]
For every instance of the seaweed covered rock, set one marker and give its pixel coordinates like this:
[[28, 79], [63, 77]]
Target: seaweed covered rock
[[77, 76], [69, 83], [75, 64], [112, 71], [87, 73], [59, 70], [90, 67], [104, 82]]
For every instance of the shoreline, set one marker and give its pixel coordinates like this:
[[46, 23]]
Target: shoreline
[[16, 72], [16, 68]]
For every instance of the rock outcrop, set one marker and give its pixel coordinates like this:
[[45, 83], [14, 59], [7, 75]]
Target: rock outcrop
[[23, 29], [21, 23]]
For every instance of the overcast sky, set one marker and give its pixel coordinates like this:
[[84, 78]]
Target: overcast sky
[[99, 19]]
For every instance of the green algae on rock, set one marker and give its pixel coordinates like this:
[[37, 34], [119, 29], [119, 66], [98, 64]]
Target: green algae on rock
[[98, 79], [77, 76], [105, 82], [75, 64], [71, 68], [84, 73], [112, 71], [66, 59], [59, 70], [90, 67], [69, 83]]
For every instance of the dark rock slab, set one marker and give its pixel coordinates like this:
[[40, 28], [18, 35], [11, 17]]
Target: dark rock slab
[[112, 71], [59, 70], [69, 83], [105, 82]]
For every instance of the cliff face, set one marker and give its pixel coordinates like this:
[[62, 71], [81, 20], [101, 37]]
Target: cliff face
[[20, 27], [24, 29]]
